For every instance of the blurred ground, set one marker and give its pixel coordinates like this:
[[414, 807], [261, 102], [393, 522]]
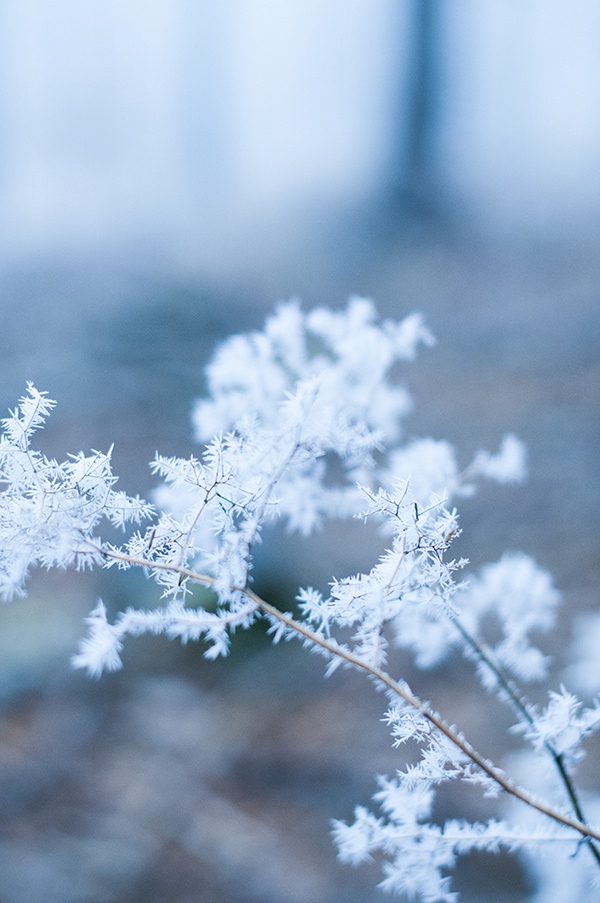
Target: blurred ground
[[185, 781]]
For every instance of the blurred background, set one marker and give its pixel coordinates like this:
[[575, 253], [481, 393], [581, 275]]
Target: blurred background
[[169, 170]]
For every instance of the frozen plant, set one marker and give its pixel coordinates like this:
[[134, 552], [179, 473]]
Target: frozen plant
[[302, 422]]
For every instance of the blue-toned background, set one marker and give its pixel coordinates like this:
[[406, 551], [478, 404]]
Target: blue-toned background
[[168, 172]]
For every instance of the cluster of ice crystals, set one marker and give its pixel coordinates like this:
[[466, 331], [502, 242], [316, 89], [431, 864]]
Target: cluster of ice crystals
[[49, 511]]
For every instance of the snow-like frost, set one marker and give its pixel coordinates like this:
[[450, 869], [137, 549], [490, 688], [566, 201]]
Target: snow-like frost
[[304, 422]]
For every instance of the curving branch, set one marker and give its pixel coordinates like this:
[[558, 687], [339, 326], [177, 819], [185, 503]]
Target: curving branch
[[402, 690]]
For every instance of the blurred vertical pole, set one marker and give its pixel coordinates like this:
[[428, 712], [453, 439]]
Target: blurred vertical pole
[[423, 88], [416, 141]]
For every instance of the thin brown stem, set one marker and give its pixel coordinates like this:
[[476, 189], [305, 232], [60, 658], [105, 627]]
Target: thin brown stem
[[401, 690]]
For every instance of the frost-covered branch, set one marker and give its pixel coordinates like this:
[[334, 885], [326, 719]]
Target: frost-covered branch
[[303, 423], [100, 652]]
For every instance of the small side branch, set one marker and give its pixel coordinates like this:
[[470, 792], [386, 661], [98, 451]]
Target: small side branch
[[521, 707]]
